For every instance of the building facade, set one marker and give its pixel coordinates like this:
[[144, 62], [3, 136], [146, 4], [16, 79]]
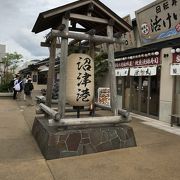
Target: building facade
[[148, 63], [148, 76], [2, 54]]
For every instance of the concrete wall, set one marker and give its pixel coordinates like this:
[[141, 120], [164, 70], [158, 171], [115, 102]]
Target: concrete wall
[[2, 51], [119, 102], [39, 86], [166, 86], [137, 38]]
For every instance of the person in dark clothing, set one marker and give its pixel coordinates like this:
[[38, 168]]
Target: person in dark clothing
[[28, 87], [11, 85]]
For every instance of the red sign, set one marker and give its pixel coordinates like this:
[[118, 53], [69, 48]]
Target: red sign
[[152, 60], [176, 58]]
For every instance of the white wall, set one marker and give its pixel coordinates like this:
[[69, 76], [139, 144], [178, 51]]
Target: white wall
[[166, 86]]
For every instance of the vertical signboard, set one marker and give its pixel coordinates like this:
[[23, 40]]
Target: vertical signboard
[[159, 21], [80, 80], [176, 58], [175, 67], [104, 96]]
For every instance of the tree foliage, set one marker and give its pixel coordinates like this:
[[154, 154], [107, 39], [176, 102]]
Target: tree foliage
[[101, 64], [8, 64], [10, 59], [100, 68]]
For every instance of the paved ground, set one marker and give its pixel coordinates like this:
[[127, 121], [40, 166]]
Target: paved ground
[[156, 157]]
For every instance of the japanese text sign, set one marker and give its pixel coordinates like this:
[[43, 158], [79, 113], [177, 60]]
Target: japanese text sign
[[80, 80], [159, 21], [176, 58], [104, 96], [153, 60]]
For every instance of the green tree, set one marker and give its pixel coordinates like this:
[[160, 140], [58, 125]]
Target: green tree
[[100, 68], [9, 63]]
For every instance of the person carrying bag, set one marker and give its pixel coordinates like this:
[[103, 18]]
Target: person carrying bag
[[17, 86], [28, 87]]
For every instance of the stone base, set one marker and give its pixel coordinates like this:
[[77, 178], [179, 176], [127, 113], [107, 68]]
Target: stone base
[[59, 143]]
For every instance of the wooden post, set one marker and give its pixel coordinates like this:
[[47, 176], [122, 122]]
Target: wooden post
[[80, 36], [111, 64], [63, 64], [89, 121], [51, 72], [92, 54], [50, 112]]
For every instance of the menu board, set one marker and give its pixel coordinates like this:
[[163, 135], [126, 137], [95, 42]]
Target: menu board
[[104, 96]]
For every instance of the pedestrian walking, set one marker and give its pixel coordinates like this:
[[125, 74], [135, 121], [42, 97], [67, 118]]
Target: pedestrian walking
[[25, 80], [28, 87], [18, 86]]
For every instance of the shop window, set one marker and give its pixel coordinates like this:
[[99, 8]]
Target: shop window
[[34, 78], [42, 78], [119, 85]]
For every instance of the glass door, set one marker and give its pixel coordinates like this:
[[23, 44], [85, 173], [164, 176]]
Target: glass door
[[154, 90], [144, 86], [135, 93], [126, 93], [145, 94]]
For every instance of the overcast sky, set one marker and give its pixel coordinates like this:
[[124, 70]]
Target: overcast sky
[[18, 18]]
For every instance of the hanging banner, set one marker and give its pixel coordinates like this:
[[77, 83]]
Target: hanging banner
[[175, 69], [159, 21], [104, 96], [146, 61], [143, 71], [121, 72]]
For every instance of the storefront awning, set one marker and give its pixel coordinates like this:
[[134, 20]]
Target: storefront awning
[[43, 68]]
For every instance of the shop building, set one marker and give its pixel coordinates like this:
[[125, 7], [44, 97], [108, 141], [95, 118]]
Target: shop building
[[148, 75], [2, 54]]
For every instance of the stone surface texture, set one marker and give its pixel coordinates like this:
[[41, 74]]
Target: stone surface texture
[[59, 143]]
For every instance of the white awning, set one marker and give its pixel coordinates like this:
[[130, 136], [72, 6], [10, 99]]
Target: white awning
[[143, 71], [43, 68], [121, 72], [175, 69]]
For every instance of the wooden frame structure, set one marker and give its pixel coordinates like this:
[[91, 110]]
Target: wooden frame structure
[[99, 24]]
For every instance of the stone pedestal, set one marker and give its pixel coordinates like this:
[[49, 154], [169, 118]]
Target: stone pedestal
[[55, 142]]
